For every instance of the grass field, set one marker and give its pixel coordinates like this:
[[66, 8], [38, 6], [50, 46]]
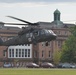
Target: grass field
[[39, 71]]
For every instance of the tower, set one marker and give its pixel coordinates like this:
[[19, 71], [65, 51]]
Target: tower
[[57, 15], [57, 21]]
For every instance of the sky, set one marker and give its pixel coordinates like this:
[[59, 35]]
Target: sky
[[37, 10]]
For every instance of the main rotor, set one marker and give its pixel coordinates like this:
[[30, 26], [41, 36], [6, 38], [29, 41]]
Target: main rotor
[[26, 22]]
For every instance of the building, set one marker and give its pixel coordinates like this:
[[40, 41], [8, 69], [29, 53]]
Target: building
[[34, 53]]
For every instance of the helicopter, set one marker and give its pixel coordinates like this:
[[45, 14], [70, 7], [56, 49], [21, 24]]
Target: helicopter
[[32, 34]]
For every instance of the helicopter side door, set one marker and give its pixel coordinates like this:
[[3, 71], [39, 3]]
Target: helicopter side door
[[42, 35], [29, 37], [35, 36], [32, 36]]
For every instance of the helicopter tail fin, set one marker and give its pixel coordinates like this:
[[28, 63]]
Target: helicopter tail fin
[[1, 41]]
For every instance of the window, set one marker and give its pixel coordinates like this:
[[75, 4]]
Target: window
[[4, 53], [12, 52], [36, 33], [28, 52], [49, 53], [59, 43], [22, 52], [9, 52], [25, 52], [19, 53], [4, 39], [42, 32], [65, 32], [58, 32], [51, 31], [46, 31], [9, 38], [42, 53], [55, 32], [16, 52]]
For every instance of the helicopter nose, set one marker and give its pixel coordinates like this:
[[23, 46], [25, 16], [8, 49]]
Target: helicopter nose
[[54, 36]]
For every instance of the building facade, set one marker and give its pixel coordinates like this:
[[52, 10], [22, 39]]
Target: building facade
[[38, 53]]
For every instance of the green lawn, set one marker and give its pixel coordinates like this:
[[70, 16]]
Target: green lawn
[[24, 71]]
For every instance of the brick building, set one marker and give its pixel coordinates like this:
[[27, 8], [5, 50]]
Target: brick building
[[35, 53]]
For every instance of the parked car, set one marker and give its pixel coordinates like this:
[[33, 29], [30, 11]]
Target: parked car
[[47, 65], [7, 65], [32, 65], [60, 65], [66, 65]]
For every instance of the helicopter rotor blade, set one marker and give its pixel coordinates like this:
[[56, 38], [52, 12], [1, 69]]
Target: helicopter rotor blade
[[21, 20], [34, 24], [15, 24]]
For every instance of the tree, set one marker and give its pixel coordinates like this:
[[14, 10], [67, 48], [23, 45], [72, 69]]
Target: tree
[[69, 48], [56, 57]]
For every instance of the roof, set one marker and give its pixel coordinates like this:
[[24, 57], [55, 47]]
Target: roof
[[2, 26], [54, 25], [56, 11], [11, 27], [68, 25]]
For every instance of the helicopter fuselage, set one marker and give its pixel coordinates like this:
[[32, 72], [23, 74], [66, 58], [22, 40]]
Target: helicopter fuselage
[[31, 37]]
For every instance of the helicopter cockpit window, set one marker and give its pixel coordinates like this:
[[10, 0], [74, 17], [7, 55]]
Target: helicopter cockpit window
[[46, 31], [42, 32], [36, 33], [51, 31], [29, 35]]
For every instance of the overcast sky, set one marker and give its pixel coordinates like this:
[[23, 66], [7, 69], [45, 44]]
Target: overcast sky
[[37, 10], [17, 1], [13, 1]]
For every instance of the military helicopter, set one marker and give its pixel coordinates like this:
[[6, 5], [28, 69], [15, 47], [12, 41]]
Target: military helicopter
[[32, 34]]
